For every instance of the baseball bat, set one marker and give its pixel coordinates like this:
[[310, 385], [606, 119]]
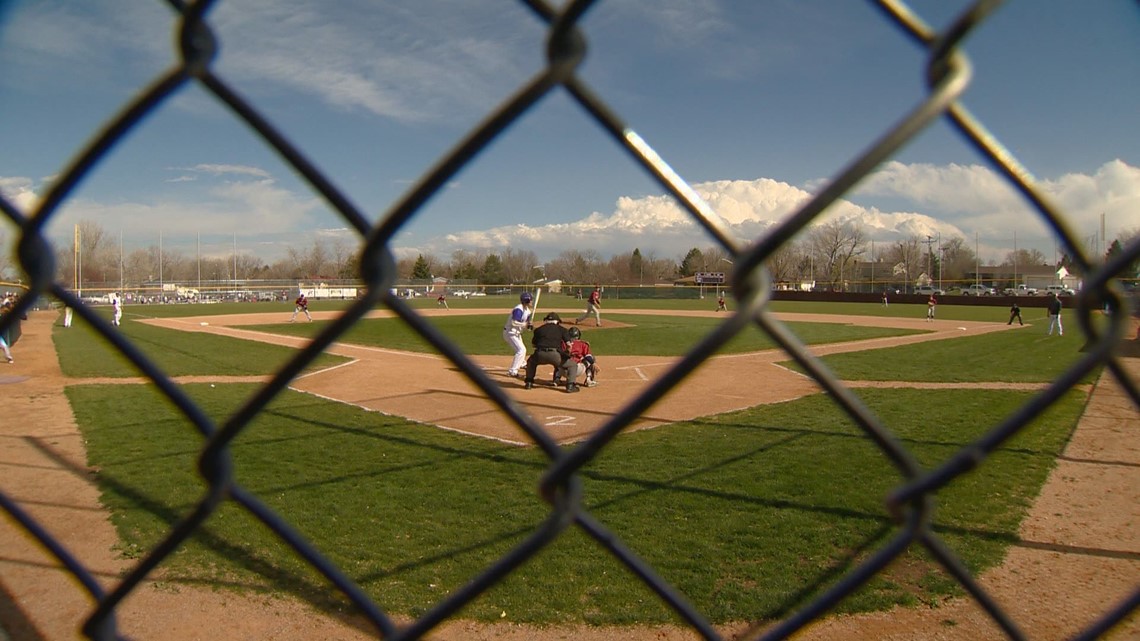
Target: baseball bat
[[534, 310]]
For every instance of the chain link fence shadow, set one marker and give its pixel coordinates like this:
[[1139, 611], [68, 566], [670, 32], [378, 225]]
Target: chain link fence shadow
[[948, 75]]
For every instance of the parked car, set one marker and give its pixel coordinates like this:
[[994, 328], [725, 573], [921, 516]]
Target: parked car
[[1060, 290], [927, 290], [978, 290], [1020, 290]]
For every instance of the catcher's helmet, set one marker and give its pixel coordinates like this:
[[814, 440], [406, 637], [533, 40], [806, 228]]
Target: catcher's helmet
[[525, 297], [553, 316], [575, 333]]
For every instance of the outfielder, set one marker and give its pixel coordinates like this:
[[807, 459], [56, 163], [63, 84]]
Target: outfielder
[[513, 329]]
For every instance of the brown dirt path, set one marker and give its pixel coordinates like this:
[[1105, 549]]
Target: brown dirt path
[[1080, 550]]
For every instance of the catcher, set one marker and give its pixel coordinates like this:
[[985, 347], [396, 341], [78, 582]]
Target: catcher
[[579, 360]]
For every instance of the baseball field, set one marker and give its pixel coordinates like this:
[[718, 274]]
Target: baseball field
[[747, 488]]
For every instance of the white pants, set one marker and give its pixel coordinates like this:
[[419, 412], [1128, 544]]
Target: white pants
[[515, 341], [1055, 321]]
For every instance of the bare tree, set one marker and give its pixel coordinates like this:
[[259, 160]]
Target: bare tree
[[906, 259], [835, 244], [98, 260], [786, 263], [1025, 257], [7, 265], [958, 260], [518, 265]]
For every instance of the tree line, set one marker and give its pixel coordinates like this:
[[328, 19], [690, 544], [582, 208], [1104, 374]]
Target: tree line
[[829, 254]]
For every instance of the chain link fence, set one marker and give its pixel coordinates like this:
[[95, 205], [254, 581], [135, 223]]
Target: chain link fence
[[910, 504]]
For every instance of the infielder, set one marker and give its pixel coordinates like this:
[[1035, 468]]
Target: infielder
[[301, 305], [513, 329]]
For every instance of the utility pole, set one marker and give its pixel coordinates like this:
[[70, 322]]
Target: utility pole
[[929, 242]]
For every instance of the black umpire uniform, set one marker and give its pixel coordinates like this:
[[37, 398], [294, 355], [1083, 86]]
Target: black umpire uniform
[[1015, 312], [547, 341]]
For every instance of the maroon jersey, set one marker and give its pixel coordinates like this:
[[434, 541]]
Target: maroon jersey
[[577, 350]]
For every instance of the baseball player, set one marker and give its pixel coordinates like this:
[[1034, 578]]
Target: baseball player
[[301, 305], [549, 341], [579, 360], [442, 301], [931, 303], [513, 329], [721, 306], [593, 306], [1015, 312], [116, 309], [5, 309], [1054, 309]]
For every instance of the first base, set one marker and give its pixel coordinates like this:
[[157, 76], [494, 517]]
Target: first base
[[203, 323]]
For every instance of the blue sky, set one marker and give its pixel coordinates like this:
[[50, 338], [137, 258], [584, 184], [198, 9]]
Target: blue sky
[[754, 103]]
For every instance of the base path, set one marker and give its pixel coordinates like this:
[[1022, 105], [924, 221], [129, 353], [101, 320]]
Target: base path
[[429, 389]]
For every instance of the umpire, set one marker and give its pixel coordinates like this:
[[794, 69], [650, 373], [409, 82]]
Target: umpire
[[547, 341]]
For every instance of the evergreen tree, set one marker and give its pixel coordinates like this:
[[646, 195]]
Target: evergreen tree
[[694, 261], [492, 271], [421, 270]]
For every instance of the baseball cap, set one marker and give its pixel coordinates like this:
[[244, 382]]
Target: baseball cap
[[553, 316]]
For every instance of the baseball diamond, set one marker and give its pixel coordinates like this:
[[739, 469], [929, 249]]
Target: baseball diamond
[[424, 388], [1084, 506]]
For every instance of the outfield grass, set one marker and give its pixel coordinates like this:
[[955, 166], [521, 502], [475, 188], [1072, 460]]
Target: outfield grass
[[505, 303], [85, 353], [1024, 355], [750, 514]]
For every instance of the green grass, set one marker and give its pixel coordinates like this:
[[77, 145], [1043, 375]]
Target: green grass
[[1024, 355], [84, 353], [750, 514], [562, 302], [648, 335]]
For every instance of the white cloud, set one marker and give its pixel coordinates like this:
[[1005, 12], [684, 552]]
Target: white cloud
[[926, 200], [240, 170], [20, 192], [946, 201]]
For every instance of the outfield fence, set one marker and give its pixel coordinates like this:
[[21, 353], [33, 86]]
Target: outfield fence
[[910, 505]]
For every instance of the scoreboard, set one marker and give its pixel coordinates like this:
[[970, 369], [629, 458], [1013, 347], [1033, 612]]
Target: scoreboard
[[709, 278]]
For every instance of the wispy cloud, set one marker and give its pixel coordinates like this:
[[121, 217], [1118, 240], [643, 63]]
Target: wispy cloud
[[240, 170]]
